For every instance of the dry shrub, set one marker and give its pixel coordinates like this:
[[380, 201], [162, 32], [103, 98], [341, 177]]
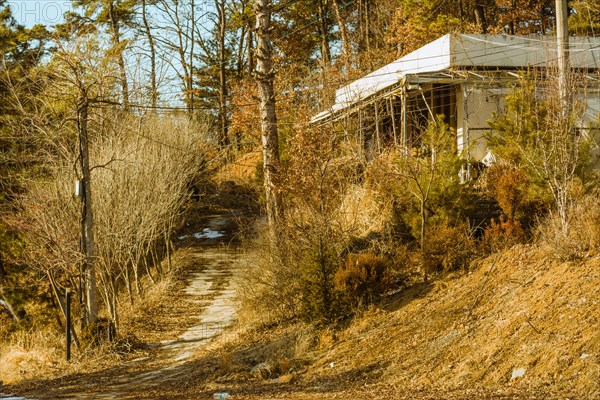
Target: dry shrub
[[241, 170], [362, 278], [503, 234], [328, 206], [140, 181], [98, 332], [506, 184], [269, 288], [447, 248], [581, 237]]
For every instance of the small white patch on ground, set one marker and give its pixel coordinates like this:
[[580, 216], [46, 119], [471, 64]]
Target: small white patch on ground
[[208, 233]]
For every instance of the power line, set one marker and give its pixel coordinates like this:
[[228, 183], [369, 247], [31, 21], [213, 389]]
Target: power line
[[502, 48]]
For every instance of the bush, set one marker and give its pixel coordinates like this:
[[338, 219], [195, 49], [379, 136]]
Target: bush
[[503, 235], [269, 289], [447, 248], [362, 278], [318, 266], [506, 184]]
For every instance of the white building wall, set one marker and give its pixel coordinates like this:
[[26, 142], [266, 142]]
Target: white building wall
[[473, 115], [481, 104], [591, 119]]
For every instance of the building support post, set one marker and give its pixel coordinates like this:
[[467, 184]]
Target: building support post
[[393, 116], [404, 124], [377, 132]]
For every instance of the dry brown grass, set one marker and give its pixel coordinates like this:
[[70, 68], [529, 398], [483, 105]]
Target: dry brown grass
[[268, 290], [39, 354], [30, 354], [363, 211], [581, 237]]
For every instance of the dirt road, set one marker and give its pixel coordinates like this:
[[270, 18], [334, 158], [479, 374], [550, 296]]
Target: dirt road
[[202, 303]]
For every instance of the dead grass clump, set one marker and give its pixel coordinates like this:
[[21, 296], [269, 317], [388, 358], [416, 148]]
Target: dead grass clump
[[363, 211], [581, 237], [363, 278], [291, 352], [98, 332], [448, 248], [268, 287], [241, 170], [29, 355]]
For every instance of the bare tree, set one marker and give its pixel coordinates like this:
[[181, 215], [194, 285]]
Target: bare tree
[[140, 190], [223, 92], [177, 36], [138, 175], [152, 49]]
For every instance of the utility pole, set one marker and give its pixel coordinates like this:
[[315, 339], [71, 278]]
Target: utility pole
[[562, 42], [270, 140], [190, 76], [87, 218]]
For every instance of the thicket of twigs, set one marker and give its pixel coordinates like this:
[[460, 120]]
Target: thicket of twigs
[[142, 168]]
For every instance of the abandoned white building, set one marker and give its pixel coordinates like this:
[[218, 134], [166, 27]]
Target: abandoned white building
[[463, 77]]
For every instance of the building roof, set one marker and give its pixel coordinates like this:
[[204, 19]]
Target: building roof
[[461, 51]]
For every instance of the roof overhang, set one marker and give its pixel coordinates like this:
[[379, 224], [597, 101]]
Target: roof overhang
[[456, 52]]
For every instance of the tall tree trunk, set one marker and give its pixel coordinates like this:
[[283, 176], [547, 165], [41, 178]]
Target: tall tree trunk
[[361, 26], [224, 126], [251, 61], [153, 88], [367, 22], [185, 74], [116, 39], [240, 53], [87, 217], [343, 34], [190, 80], [480, 17], [264, 78], [324, 33]]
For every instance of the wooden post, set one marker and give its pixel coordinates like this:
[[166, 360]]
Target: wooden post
[[377, 133], [62, 304], [68, 322], [404, 124], [393, 115], [360, 132]]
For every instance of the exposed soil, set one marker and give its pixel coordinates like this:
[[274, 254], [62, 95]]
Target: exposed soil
[[520, 325]]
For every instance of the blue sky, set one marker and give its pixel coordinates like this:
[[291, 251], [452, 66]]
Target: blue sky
[[45, 12]]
